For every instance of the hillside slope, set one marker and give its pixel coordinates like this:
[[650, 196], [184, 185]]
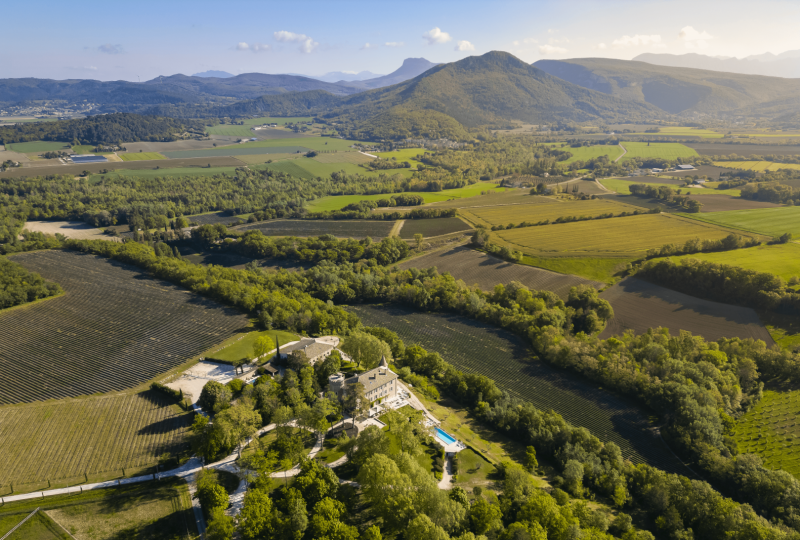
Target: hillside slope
[[783, 65], [679, 90]]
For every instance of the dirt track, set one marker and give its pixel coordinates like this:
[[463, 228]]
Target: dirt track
[[639, 305]]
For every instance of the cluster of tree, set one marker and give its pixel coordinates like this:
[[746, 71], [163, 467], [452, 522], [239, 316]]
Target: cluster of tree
[[723, 283], [32, 241], [105, 128], [773, 192], [481, 240], [664, 193], [600, 166], [19, 286], [384, 164], [54, 155], [363, 210], [732, 241], [570, 219]]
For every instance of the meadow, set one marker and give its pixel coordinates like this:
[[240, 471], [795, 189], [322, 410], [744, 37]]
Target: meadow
[[404, 154], [432, 227], [770, 429], [623, 187], [626, 236], [476, 348], [113, 330], [643, 150], [767, 221], [504, 215], [780, 259], [141, 156], [340, 228], [242, 346], [37, 146], [758, 166], [60, 441]]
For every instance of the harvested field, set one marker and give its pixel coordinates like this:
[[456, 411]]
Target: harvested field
[[67, 438], [341, 228], [70, 229], [505, 215], [7, 155], [343, 157], [639, 305], [708, 149], [113, 329], [722, 203], [235, 150], [141, 156], [625, 236], [195, 164], [432, 227], [477, 348], [486, 271], [37, 146]]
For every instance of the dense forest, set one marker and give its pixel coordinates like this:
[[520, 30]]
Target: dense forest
[[114, 128], [18, 286]]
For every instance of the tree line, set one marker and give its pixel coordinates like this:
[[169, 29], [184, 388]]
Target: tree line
[[19, 286]]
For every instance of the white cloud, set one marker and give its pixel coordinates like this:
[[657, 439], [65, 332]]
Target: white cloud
[[600, 46], [307, 44], [464, 46], [692, 39], [91, 68], [108, 48], [526, 41], [435, 35], [639, 40], [367, 46], [394, 43], [551, 49], [255, 47]]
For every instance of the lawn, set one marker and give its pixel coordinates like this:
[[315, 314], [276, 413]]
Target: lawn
[[141, 156], [585, 153], [534, 213], [475, 470], [780, 259], [242, 346], [758, 166], [659, 150], [329, 453], [626, 237], [622, 187], [38, 527], [770, 429], [335, 202], [768, 221], [37, 146]]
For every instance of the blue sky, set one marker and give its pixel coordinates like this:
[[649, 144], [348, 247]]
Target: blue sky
[[144, 39]]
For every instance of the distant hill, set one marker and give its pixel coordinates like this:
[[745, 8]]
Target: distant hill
[[343, 76], [785, 65], [213, 73], [244, 86], [411, 68], [682, 90]]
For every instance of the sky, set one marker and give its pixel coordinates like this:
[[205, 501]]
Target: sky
[[144, 39]]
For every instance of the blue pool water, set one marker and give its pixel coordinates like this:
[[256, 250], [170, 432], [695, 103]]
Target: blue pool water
[[445, 437]]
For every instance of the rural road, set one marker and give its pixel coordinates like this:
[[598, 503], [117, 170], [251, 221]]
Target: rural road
[[624, 151]]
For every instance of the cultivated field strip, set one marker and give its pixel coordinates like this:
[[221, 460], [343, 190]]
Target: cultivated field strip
[[113, 329], [476, 348], [212, 219], [723, 203], [503, 215], [486, 271], [65, 439], [639, 305], [343, 229], [432, 227]]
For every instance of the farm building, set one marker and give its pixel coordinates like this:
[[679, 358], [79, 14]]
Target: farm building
[[315, 350], [657, 170], [253, 139], [379, 383], [88, 158], [685, 167]]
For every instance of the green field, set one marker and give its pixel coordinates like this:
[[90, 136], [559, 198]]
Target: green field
[[141, 156], [177, 171], [779, 259], [37, 146], [600, 269], [771, 430], [625, 236], [534, 213], [238, 348], [406, 154], [280, 121], [314, 143], [768, 221], [622, 187], [585, 153], [645, 150], [38, 527], [231, 131], [235, 150], [681, 131], [758, 166], [335, 202], [87, 149]]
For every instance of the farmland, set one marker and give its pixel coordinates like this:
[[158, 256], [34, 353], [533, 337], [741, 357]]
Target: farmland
[[626, 236], [313, 143], [343, 229], [585, 153], [134, 168], [432, 227], [236, 150], [404, 154], [681, 131], [709, 149], [643, 150], [212, 218], [770, 430], [476, 348], [622, 187], [504, 215], [311, 168], [639, 305], [758, 166], [486, 271], [141, 156], [112, 330], [280, 121], [61, 440], [780, 259], [723, 203], [768, 221], [497, 197], [343, 157], [37, 146]]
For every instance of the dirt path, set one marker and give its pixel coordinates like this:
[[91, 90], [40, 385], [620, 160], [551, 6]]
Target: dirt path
[[624, 151], [398, 226]]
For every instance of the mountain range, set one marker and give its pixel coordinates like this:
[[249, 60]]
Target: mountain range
[[786, 64]]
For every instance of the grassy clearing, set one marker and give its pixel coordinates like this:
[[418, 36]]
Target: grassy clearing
[[37, 146], [141, 156], [768, 221], [595, 268], [475, 470], [626, 237], [780, 259], [758, 166], [406, 154], [242, 347], [504, 215], [645, 150], [623, 187], [771, 430]]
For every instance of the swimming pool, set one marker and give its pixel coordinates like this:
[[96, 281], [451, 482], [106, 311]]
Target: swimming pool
[[445, 437]]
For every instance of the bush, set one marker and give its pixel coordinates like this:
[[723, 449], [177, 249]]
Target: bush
[[175, 394]]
